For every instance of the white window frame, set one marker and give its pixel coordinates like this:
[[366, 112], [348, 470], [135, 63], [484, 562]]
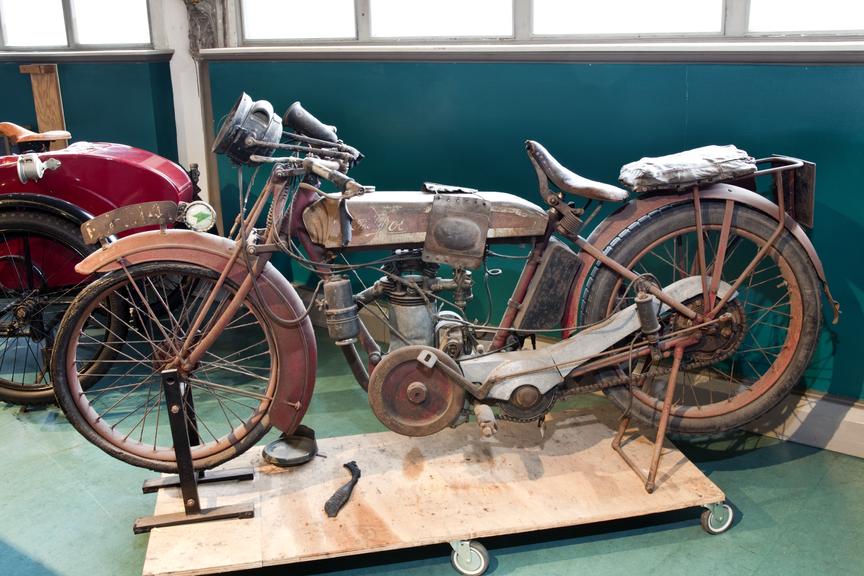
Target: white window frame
[[734, 28], [72, 44]]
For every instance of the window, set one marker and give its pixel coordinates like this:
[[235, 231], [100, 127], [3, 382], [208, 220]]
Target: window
[[22, 28], [441, 18], [806, 16], [418, 22], [634, 17], [117, 22], [87, 23], [298, 19]]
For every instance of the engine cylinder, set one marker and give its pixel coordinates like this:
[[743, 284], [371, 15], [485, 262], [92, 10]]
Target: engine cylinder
[[411, 315]]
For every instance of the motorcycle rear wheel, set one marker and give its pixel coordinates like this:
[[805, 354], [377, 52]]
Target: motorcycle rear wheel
[[777, 312], [38, 254], [124, 413]]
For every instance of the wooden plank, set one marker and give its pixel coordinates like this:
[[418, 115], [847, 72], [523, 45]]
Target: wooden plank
[[47, 99], [455, 485]]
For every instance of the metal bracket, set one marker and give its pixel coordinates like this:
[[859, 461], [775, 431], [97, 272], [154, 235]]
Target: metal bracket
[[457, 230], [427, 358], [719, 510], [462, 549]]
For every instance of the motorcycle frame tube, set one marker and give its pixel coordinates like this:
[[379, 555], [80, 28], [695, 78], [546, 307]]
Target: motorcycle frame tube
[[615, 223], [225, 316]]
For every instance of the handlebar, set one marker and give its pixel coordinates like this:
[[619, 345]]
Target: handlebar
[[300, 120], [327, 169]]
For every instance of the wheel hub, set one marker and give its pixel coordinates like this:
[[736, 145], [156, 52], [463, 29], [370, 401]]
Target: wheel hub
[[720, 340], [527, 403], [26, 319]]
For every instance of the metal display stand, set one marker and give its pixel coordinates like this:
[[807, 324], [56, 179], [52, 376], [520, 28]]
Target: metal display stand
[[184, 432]]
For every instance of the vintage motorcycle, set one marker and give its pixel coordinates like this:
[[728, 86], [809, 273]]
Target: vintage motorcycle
[[697, 303], [45, 196]]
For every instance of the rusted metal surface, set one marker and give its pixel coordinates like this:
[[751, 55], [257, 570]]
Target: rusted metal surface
[[616, 222], [457, 230], [402, 219], [296, 371], [414, 399], [546, 368], [128, 217], [549, 288], [650, 478]]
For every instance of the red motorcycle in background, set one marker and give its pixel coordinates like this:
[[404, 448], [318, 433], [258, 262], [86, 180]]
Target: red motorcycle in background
[[45, 196]]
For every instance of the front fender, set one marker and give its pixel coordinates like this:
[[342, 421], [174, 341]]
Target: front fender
[[610, 227], [296, 345]]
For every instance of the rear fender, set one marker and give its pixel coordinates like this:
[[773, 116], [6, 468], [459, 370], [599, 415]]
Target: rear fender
[[297, 348], [45, 204], [613, 225]]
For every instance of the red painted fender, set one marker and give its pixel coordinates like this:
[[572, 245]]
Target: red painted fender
[[297, 347], [613, 225]]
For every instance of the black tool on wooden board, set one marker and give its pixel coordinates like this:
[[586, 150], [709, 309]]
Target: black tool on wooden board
[[341, 496]]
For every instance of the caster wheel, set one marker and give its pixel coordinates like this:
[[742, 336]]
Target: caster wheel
[[717, 519], [476, 565]]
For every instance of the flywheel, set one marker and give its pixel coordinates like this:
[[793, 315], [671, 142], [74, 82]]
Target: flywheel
[[411, 398]]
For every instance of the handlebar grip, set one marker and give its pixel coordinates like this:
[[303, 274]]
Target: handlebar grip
[[299, 120]]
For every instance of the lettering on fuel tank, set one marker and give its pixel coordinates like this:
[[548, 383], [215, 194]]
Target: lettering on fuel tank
[[380, 223]]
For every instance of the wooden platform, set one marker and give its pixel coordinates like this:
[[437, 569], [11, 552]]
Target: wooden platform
[[418, 491]]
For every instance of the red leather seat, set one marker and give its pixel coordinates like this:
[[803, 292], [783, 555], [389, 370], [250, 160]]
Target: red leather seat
[[17, 134]]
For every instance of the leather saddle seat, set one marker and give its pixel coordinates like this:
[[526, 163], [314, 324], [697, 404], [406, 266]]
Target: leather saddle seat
[[17, 134], [570, 182]]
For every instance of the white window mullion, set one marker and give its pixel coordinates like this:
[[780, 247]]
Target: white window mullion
[[364, 25], [735, 16], [522, 16], [68, 18]]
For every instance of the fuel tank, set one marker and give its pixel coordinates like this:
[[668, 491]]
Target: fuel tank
[[100, 176], [391, 219]]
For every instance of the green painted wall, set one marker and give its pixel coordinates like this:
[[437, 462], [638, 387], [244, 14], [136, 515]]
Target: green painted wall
[[465, 123], [126, 102]]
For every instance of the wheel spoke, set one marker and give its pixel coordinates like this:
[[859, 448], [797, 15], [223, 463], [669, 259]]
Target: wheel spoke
[[135, 327]]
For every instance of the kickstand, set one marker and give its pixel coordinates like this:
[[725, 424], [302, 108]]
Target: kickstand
[[650, 478]]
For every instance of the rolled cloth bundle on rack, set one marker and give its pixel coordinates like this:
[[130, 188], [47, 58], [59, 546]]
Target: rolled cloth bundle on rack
[[697, 166]]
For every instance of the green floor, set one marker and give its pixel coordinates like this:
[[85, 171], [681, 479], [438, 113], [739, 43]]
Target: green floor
[[67, 508]]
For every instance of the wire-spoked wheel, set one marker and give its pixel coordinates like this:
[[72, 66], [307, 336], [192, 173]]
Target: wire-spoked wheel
[[124, 412], [38, 254], [738, 371]]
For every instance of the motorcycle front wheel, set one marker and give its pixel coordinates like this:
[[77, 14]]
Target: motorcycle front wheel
[[124, 413], [733, 375]]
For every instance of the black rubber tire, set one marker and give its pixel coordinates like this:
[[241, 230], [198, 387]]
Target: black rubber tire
[[666, 220], [64, 233], [77, 315]]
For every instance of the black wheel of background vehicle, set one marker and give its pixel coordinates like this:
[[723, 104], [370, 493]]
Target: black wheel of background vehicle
[[38, 254], [124, 413], [737, 373]]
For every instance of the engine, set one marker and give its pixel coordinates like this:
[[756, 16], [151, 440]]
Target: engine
[[414, 311]]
